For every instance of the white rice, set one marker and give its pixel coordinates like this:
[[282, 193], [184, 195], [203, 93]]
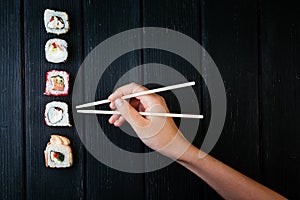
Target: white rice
[[65, 150], [58, 54], [57, 118], [53, 28]]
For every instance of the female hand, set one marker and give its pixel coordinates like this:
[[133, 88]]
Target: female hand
[[158, 133], [161, 134]]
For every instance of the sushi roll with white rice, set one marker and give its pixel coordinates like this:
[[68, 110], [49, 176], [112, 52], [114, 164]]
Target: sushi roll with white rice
[[56, 50], [56, 114], [56, 22], [58, 153], [57, 83]]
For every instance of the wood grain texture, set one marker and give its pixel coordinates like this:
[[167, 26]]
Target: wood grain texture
[[42, 182], [279, 57], [255, 45], [102, 20], [173, 181], [11, 117], [229, 34]]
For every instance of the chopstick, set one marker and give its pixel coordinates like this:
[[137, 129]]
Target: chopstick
[[106, 112], [172, 87]]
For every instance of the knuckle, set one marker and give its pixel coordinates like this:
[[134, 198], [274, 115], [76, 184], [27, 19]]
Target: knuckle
[[133, 84], [138, 88], [160, 99]]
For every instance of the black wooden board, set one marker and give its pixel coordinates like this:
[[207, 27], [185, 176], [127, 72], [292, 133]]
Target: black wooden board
[[280, 83], [255, 45], [105, 19], [11, 103], [173, 181], [229, 34]]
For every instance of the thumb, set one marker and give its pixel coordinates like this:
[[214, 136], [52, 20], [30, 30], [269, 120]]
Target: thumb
[[130, 114]]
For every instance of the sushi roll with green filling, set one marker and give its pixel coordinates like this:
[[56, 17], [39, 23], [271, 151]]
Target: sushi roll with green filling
[[58, 153], [56, 50], [56, 156], [57, 83], [56, 114], [56, 22]]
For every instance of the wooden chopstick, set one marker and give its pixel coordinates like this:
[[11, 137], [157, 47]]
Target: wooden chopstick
[[106, 112], [172, 87]]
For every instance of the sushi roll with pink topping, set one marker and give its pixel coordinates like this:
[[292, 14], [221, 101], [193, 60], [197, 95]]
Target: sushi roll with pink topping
[[57, 83], [56, 50], [58, 153], [56, 114], [56, 22]]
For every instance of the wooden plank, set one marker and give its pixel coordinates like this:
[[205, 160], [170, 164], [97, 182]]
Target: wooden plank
[[42, 182], [279, 57], [102, 20], [229, 34], [11, 118], [173, 181]]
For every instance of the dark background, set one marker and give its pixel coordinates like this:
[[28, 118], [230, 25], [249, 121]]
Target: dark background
[[255, 45]]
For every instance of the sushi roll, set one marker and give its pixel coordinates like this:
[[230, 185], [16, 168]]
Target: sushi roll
[[58, 153], [56, 50], [56, 22], [57, 83], [56, 114]]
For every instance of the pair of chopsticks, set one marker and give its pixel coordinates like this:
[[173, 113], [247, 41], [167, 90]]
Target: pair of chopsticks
[[106, 112]]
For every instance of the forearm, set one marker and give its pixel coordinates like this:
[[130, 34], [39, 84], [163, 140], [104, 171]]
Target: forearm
[[229, 183], [162, 135]]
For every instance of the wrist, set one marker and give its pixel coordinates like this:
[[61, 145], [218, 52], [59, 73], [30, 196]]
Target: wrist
[[176, 147], [191, 155]]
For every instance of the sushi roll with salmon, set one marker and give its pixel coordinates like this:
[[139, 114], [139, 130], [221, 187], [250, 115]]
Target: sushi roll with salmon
[[56, 22], [57, 83], [56, 50], [56, 114], [58, 153]]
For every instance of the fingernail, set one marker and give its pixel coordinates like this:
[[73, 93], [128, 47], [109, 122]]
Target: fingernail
[[119, 102]]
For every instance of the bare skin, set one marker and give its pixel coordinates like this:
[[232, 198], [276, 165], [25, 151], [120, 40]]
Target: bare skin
[[161, 134]]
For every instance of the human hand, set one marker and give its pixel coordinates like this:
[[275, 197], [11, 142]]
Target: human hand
[[158, 133]]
